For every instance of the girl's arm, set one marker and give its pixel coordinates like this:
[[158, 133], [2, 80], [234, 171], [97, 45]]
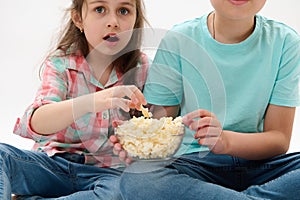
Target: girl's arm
[[274, 140], [54, 117]]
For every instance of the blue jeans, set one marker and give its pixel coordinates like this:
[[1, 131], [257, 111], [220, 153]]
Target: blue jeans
[[210, 176], [35, 174]]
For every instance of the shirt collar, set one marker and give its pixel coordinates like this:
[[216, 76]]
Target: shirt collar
[[79, 63]]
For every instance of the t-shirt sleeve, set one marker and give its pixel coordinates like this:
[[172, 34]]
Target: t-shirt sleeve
[[286, 88], [164, 82]]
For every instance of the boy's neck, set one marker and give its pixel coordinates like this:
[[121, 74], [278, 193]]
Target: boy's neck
[[229, 31]]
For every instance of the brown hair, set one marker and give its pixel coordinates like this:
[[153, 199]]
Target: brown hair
[[71, 39]]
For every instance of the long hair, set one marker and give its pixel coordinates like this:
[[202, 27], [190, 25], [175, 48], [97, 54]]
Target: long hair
[[71, 39], [71, 35]]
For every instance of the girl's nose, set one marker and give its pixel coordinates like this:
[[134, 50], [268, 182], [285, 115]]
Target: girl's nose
[[113, 22], [112, 25]]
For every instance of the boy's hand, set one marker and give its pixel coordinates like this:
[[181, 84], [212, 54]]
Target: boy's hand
[[208, 130]]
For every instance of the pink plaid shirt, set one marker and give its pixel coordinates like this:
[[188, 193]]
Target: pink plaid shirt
[[66, 78]]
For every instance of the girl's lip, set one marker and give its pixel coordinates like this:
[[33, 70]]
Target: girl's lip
[[238, 2], [111, 38]]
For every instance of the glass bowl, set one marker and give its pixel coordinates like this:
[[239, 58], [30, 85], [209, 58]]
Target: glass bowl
[[151, 139]]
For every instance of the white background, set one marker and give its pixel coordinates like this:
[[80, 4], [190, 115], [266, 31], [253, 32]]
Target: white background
[[27, 31]]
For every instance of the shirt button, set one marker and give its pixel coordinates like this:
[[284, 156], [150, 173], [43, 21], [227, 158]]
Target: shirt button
[[104, 115]]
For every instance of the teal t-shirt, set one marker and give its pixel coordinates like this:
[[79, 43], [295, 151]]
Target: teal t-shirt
[[234, 81]]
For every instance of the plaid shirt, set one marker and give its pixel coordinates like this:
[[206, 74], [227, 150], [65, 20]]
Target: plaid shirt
[[66, 78]]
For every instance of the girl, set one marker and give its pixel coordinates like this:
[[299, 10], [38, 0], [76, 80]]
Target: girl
[[235, 75], [97, 67]]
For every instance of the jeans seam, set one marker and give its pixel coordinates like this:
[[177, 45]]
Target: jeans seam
[[4, 155]]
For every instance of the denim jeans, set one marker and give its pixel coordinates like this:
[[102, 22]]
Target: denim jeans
[[209, 176], [36, 175]]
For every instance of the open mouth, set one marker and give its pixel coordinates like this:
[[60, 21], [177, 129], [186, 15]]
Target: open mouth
[[111, 38]]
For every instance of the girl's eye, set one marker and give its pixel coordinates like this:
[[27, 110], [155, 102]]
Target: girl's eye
[[123, 11], [100, 10]]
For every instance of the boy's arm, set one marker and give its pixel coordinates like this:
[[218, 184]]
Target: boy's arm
[[164, 111], [274, 140]]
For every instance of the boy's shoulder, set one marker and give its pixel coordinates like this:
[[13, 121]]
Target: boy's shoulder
[[188, 28], [274, 26], [188, 24], [186, 32]]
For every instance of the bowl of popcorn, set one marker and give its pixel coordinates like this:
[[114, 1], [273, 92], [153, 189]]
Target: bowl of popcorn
[[146, 138]]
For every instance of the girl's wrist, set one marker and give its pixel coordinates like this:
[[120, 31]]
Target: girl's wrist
[[83, 105]]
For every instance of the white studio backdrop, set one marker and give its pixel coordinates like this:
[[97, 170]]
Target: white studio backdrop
[[28, 28]]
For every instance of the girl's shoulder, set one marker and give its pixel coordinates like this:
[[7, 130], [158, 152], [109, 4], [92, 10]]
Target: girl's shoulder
[[62, 60]]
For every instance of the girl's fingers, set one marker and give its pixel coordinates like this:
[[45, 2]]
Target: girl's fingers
[[117, 148], [113, 139], [134, 94], [134, 105], [137, 93], [122, 155], [128, 160], [119, 151], [120, 103], [124, 97], [117, 123]]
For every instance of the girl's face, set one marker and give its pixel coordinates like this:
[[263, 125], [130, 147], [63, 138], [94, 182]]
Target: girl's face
[[237, 9], [108, 24]]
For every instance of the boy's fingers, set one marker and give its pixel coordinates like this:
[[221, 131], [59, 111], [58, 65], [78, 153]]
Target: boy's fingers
[[198, 114]]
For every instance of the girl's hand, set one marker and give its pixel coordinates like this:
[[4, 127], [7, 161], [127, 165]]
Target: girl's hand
[[114, 98], [208, 130], [118, 150]]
